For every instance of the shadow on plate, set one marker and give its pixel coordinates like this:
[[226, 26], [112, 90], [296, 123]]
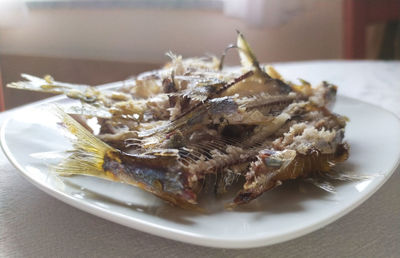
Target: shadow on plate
[[290, 197]]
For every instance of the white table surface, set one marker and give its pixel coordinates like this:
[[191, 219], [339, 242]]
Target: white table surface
[[33, 224]]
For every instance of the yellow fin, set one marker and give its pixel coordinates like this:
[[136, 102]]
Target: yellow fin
[[87, 156], [247, 57], [270, 70]]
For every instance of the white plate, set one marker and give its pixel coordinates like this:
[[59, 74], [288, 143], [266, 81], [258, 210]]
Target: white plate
[[285, 213]]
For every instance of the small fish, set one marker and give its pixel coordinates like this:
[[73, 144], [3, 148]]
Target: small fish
[[274, 167], [156, 174]]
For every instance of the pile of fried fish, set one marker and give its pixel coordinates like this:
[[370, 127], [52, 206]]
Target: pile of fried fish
[[172, 130]]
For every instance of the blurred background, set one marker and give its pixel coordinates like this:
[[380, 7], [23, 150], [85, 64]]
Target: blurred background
[[96, 42]]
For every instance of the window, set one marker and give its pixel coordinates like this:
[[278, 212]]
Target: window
[[169, 4]]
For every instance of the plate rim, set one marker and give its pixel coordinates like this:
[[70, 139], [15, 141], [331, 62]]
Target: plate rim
[[180, 235]]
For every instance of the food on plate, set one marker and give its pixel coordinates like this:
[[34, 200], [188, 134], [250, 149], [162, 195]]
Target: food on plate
[[174, 130]]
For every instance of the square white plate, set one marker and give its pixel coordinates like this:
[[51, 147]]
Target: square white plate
[[287, 212]]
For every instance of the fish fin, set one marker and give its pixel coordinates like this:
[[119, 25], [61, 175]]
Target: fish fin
[[46, 84], [322, 184], [247, 57], [87, 156], [348, 176]]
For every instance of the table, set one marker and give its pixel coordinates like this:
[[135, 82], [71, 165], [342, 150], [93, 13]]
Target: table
[[1, 93], [33, 224]]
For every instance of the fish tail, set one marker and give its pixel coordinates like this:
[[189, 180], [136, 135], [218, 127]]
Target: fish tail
[[88, 154]]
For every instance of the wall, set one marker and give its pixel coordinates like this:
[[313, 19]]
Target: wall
[[144, 35]]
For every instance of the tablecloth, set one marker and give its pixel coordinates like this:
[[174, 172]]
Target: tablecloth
[[34, 224]]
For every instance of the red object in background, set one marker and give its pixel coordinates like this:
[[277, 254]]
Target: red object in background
[[357, 15], [1, 94]]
